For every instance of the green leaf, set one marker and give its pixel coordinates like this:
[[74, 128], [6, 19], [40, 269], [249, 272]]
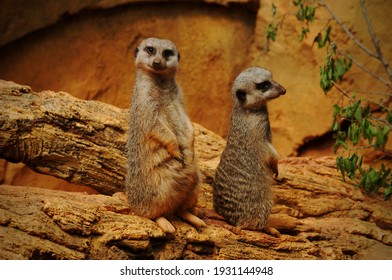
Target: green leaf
[[360, 162], [325, 81], [338, 143], [273, 9], [350, 111], [317, 39], [386, 131], [381, 135], [272, 30], [352, 163], [358, 113], [388, 192], [389, 118], [335, 126], [366, 111], [311, 14], [336, 110], [339, 70], [384, 175], [347, 63], [323, 40], [304, 32], [354, 133], [374, 177], [367, 131], [297, 2], [301, 12], [340, 167]]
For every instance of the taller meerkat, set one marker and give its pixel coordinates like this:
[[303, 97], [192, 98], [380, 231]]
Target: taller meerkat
[[242, 185], [162, 175]]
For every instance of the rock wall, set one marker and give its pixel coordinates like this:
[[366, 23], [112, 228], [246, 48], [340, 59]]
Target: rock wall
[[86, 48]]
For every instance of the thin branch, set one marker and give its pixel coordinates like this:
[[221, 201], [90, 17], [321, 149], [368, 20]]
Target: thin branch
[[375, 40], [382, 121], [389, 94], [341, 90], [386, 153], [382, 106], [366, 70], [348, 32]]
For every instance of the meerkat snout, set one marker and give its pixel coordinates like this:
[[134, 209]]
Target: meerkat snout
[[156, 65]]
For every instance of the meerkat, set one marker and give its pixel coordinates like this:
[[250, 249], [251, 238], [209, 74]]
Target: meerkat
[[162, 175], [242, 184]]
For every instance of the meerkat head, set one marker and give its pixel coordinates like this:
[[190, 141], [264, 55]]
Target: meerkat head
[[254, 87], [157, 56]]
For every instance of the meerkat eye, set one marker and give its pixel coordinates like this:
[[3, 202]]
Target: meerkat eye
[[167, 53], [264, 86], [241, 95], [150, 50]]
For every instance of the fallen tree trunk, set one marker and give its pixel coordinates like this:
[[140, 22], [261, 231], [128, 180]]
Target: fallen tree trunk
[[54, 133], [319, 216]]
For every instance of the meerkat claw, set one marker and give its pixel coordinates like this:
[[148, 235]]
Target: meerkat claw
[[192, 219], [165, 225], [271, 231]]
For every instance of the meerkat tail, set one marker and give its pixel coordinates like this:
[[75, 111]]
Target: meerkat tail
[[192, 219], [165, 225]]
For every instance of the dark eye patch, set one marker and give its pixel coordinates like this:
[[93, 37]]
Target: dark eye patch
[[241, 95], [149, 50], [167, 53], [264, 86]]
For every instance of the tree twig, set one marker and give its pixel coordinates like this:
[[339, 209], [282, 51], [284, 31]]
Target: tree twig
[[356, 62], [348, 32], [341, 90], [375, 40]]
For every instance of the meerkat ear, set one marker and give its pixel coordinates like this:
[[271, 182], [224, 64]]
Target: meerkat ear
[[178, 56], [241, 95], [136, 51]]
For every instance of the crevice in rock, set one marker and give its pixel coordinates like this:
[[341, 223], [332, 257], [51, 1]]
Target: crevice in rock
[[317, 146]]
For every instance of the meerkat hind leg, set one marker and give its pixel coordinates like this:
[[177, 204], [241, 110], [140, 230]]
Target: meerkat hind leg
[[192, 219], [165, 225]]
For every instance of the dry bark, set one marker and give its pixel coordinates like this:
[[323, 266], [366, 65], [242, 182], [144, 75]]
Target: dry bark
[[319, 216], [54, 133]]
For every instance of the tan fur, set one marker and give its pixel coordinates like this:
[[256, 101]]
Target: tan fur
[[242, 184], [162, 175]]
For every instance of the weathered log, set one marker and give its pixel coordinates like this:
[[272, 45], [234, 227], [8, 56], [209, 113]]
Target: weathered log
[[319, 216], [55, 133]]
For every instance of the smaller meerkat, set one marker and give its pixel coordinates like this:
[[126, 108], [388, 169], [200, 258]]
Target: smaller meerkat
[[242, 191], [162, 174]]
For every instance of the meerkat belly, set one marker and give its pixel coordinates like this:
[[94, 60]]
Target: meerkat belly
[[172, 178], [241, 189], [170, 186]]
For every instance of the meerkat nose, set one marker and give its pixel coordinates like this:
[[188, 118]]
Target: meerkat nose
[[281, 90], [156, 64]]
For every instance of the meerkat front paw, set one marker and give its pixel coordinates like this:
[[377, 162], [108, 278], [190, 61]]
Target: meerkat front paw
[[174, 150]]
